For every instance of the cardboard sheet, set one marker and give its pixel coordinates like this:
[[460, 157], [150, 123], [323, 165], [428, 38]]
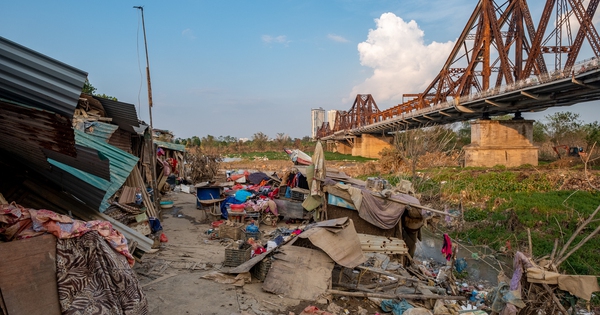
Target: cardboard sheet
[[299, 273], [339, 240], [580, 286]]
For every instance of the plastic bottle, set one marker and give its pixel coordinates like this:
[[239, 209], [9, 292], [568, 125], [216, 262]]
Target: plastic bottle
[[138, 197]]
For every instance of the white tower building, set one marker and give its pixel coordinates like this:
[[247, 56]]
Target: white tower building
[[331, 117], [317, 117]]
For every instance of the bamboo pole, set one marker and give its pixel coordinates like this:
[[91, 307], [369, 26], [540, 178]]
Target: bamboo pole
[[415, 205], [583, 241], [554, 298], [398, 296], [383, 272], [579, 229], [380, 284], [530, 244], [554, 249]]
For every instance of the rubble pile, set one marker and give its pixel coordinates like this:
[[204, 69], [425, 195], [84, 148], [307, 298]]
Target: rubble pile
[[347, 262]]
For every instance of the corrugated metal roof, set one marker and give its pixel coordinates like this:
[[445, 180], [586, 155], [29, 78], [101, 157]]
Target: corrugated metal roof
[[87, 160], [99, 129], [79, 189], [121, 164], [170, 145], [123, 114], [34, 79]]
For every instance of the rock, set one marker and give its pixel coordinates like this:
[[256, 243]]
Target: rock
[[334, 308], [362, 311], [417, 311]]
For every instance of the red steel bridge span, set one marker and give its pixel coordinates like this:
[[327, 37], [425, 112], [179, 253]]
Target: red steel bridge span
[[502, 63]]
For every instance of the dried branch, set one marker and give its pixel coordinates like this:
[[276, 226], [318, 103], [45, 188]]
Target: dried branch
[[579, 229], [586, 161]]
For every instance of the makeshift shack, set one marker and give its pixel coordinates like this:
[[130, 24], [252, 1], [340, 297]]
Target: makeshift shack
[[376, 209], [76, 154], [170, 158]]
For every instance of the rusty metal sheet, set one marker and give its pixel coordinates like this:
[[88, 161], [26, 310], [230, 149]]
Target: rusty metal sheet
[[25, 131], [32, 78], [87, 160]]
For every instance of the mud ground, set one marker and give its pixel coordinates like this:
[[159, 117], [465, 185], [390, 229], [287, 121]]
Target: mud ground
[[171, 277]]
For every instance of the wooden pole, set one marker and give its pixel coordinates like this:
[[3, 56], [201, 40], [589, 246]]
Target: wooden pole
[[398, 296]]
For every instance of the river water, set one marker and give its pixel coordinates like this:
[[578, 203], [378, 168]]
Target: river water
[[483, 264]]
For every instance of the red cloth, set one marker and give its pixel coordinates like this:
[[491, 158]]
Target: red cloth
[[311, 309], [17, 222], [447, 247], [259, 250]]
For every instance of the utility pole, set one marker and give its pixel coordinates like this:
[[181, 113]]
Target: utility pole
[[153, 162]]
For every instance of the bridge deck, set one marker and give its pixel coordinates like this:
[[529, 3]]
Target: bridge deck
[[526, 96]]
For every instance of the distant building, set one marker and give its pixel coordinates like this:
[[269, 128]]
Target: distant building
[[317, 118], [331, 117]]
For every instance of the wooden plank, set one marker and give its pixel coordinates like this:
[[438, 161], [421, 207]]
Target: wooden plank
[[165, 277], [398, 296], [2, 306], [28, 276], [382, 244]]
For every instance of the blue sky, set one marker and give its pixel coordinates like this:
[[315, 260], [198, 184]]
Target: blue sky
[[235, 68]]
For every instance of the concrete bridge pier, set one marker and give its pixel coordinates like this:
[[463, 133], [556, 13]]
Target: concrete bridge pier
[[365, 145], [501, 142]]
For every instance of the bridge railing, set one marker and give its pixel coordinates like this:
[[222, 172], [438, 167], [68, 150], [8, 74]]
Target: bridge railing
[[578, 68]]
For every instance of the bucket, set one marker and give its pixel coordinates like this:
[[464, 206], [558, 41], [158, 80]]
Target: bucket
[[166, 204], [237, 208]]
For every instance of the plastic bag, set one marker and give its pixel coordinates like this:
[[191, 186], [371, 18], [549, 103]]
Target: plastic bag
[[460, 265], [163, 238]]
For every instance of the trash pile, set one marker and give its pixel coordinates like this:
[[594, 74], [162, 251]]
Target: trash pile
[[356, 240]]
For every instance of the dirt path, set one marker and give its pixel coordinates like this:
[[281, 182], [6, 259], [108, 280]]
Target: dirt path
[[171, 277]]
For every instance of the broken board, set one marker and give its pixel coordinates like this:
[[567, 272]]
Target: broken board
[[299, 273], [337, 238], [28, 276], [382, 244]]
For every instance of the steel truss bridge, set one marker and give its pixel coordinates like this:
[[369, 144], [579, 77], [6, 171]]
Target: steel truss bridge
[[498, 66]]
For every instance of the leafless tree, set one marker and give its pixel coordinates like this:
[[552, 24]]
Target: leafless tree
[[413, 144], [201, 166]]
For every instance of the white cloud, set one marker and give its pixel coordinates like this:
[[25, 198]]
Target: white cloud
[[337, 38], [281, 39], [188, 33], [401, 61]]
